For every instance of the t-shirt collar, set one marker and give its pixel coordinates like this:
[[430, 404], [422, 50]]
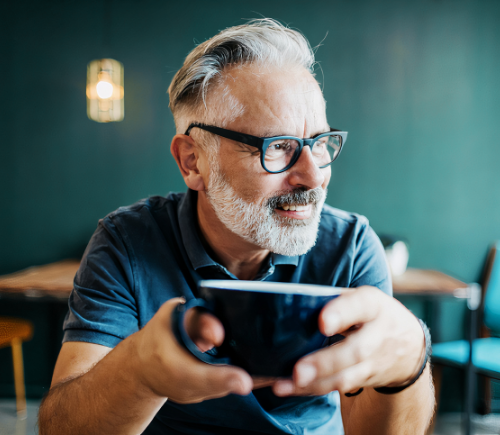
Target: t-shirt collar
[[197, 254]]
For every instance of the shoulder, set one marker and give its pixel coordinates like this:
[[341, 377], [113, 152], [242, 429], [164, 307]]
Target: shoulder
[[348, 246], [345, 231], [330, 212], [151, 204], [339, 222], [143, 212]]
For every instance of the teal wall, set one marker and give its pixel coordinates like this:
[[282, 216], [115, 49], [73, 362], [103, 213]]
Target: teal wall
[[416, 84]]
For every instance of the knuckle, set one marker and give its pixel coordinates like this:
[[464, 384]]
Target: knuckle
[[343, 384], [349, 381], [318, 388], [361, 353], [324, 365], [325, 388]]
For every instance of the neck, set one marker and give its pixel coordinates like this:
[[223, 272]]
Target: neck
[[242, 258]]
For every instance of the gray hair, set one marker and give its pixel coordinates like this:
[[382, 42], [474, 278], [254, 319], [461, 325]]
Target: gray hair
[[261, 41]]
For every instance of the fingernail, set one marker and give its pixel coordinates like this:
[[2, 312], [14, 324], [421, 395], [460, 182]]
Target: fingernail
[[239, 386], [331, 325], [283, 388], [235, 385], [306, 373]]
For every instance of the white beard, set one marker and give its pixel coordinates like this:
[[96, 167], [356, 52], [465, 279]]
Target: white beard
[[259, 224]]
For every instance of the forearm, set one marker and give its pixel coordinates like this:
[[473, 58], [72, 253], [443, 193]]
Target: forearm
[[407, 412], [108, 399]]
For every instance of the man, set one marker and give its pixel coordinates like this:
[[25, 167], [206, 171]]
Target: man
[[255, 211]]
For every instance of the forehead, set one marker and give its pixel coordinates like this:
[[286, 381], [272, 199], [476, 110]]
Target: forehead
[[284, 101]]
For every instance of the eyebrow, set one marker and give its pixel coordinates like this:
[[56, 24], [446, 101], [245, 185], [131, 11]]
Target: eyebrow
[[275, 133]]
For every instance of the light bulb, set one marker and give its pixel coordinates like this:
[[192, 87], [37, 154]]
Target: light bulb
[[104, 89]]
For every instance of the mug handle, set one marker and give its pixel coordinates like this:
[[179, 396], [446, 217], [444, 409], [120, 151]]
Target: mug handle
[[183, 338]]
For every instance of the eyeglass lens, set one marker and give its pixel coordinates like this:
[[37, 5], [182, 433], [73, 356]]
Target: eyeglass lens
[[281, 152]]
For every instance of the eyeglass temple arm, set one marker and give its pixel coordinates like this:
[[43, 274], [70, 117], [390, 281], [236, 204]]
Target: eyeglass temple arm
[[247, 139]]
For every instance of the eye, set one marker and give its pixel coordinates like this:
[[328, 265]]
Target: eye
[[280, 146], [281, 150], [319, 147]]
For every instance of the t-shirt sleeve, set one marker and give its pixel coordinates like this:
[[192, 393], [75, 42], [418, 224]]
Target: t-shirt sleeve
[[370, 263], [102, 306]]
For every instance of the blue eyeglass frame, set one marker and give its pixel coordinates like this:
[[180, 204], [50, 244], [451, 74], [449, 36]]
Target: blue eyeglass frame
[[262, 143]]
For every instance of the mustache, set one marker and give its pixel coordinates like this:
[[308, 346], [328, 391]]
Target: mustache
[[297, 197]]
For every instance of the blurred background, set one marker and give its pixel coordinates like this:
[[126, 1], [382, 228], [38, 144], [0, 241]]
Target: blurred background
[[416, 85]]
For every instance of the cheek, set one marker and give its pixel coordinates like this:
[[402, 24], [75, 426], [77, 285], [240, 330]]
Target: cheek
[[241, 171], [242, 176], [328, 176], [234, 162], [252, 183], [203, 166]]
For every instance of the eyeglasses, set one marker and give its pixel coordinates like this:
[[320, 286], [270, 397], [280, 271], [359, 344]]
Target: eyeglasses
[[279, 153]]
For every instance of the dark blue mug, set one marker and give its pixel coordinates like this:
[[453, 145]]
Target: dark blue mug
[[268, 326]]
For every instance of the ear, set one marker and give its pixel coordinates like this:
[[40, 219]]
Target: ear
[[188, 157]]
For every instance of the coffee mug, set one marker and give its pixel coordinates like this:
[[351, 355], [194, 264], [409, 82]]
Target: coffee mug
[[268, 326]]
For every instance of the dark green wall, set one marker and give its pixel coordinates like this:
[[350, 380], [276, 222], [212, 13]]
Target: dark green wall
[[416, 84]]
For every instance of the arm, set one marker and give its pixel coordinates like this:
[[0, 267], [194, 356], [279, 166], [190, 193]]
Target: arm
[[96, 390], [89, 395], [384, 346], [407, 412]]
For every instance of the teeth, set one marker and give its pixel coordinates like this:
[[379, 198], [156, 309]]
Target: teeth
[[287, 207]]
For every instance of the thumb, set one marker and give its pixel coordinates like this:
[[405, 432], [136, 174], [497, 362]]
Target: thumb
[[349, 309], [204, 329], [227, 379], [214, 380]]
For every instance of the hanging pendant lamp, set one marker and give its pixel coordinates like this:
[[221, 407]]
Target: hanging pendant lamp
[[105, 93], [105, 79]]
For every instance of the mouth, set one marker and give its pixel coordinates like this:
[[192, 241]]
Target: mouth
[[299, 204], [294, 211]]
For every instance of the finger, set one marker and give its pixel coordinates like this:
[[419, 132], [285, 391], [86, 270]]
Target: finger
[[350, 309], [222, 380], [216, 382], [284, 387], [263, 381], [354, 349], [204, 380], [204, 329], [346, 381]]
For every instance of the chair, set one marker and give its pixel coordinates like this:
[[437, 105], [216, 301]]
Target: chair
[[12, 333], [483, 357]]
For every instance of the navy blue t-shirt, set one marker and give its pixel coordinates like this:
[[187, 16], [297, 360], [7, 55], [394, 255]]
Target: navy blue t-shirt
[[145, 254]]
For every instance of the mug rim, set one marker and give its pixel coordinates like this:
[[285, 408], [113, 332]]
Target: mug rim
[[286, 288]]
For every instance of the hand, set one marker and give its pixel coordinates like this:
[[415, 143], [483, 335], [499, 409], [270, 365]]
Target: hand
[[263, 381], [384, 346], [168, 370], [207, 331]]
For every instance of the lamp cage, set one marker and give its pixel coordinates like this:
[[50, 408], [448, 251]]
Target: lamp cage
[[105, 102]]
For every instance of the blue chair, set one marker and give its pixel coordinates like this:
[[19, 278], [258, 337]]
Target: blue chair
[[484, 359]]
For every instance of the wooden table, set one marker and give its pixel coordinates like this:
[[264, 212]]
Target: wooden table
[[420, 282], [55, 282], [52, 281], [430, 286], [48, 288]]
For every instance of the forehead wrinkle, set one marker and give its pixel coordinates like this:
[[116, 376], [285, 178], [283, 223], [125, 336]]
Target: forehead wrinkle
[[276, 102]]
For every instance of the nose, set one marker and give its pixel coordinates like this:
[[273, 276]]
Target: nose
[[305, 173]]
